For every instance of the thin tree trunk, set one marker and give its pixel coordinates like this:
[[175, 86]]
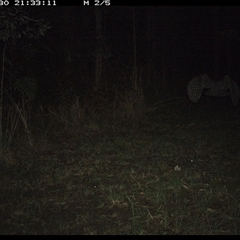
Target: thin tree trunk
[[66, 42], [99, 48], [1, 99], [134, 51], [151, 48], [216, 43]]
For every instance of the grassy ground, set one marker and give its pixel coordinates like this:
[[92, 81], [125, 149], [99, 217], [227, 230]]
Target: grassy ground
[[171, 174]]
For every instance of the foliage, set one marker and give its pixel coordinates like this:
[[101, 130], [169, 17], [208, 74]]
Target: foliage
[[167, 176], [27, 86], [15, 23]]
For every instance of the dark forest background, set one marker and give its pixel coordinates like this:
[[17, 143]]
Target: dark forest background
[[165, 46], [97, 132], [75, 61]]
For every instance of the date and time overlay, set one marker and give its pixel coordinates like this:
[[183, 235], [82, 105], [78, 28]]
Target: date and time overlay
[[51, 3]]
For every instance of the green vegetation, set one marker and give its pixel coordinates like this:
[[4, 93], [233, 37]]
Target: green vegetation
[[164, 174]]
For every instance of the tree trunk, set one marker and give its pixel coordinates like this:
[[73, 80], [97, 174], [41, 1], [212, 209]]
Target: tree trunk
[[216, 43], [134, 74], [99, 48]]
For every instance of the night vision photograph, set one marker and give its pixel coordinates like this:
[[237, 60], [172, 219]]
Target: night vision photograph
[[119, 120]]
